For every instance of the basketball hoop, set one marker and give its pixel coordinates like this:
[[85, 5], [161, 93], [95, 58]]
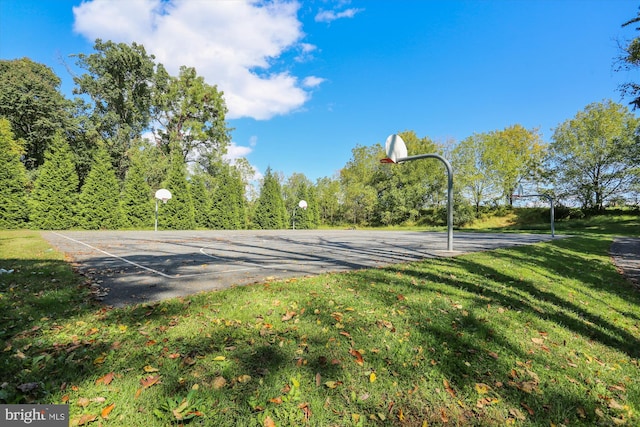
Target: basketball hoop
[[163, 194], [302, 204]]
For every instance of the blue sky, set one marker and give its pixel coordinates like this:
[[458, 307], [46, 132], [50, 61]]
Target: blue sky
[[305, 82]]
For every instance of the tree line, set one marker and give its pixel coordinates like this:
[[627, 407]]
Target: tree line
[[94, 162]]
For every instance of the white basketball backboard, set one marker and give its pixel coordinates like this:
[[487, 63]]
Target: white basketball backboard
[[395, 148], [163, 194]]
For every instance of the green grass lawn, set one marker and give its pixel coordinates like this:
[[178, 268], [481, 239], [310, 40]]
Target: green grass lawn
[[543, 335]]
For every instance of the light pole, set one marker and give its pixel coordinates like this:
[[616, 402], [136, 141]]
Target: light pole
[[397, 153]]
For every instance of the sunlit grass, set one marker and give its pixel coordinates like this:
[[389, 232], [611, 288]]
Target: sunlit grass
[[547, 334]]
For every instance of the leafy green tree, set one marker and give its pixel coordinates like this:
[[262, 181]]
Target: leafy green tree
[[30, 99], [328, 195], [119, 82], [511, 156], [54, 197], [99, 202], [191, 113], [355, 178], [270, 211], [136, 204], [13, 212], [630, 60], [473, 177], [178, 213], [593, 156]]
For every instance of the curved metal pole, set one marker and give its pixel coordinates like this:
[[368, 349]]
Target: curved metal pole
[[449, 190]]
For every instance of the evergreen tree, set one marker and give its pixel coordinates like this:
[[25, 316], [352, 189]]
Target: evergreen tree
[[99, 206], [136, 205], [54, 196], [270, 210], [178, 213], [201, 200], [228, 208], [13, 213]]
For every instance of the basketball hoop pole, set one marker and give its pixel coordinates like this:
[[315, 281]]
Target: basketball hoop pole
[[449, 190], [156, 227]]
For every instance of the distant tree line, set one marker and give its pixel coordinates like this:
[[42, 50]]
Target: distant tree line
[[94, 162]]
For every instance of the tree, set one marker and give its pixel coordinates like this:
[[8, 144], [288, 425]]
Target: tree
[[13, 213], [328, 194], [229, 206], [511, 156], [201, 199], [191, 113], [270, 211], [355, 178], [629, 60], [99, 206], [120, 83], [136, 205], [30, 99], [178, 213], [53, 200], [473, 177], [593, 156]]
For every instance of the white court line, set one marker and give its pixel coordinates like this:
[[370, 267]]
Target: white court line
[[160, 273]]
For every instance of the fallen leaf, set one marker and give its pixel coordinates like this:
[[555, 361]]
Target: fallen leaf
[[448, 388], [355, 353], [86, 419], [581, 412], [83, 402], [528, 408], [372, 377], [493, 354], [268, 422], [332, 384], [537, 340], [482, 388], [318, 379], [149, 369], [244, 378], [306, 410], [219, 358], [288, 316], [150, 380], [219, 382], [105, 379], [106, 411]]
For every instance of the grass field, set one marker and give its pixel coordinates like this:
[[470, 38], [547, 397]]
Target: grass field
[[540, 335]]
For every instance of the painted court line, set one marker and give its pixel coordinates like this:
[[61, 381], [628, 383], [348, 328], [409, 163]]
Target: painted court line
[[168, 276]]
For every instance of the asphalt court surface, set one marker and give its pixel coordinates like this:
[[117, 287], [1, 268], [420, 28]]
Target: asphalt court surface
[[144, 266]]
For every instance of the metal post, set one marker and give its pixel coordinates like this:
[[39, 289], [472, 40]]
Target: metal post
[[156, 227], [449, 191]]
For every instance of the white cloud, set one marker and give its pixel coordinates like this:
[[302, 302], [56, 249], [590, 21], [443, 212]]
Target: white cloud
[[230, 43], [312, 81], [330, 15]]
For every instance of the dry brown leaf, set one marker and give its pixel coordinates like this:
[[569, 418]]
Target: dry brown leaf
[[355, 353], [106, 411], [219, 382], [288, 316], [538, 341], [83, 402], [318, 379], [268, 422], [528, 408], [150, 380], [86, 419], [105, 379], [493, 354], [448, 388], [306, 410]]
